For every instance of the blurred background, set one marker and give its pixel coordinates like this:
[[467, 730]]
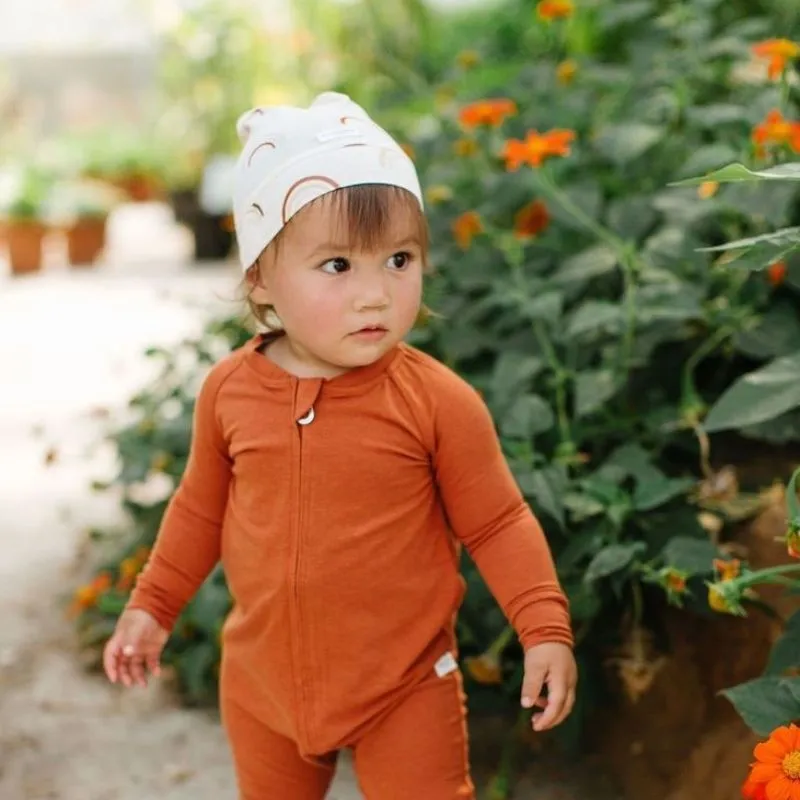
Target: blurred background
[[645, 387]]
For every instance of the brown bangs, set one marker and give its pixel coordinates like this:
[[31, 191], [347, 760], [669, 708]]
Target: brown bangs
[[373, 213]]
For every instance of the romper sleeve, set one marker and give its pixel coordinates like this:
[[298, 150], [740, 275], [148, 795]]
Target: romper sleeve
[[489, 515], [188, 543]]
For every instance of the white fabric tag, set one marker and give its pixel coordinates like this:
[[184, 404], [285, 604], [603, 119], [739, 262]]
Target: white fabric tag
[[445, 665]]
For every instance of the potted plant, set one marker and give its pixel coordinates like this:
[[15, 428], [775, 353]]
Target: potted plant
[[82, 208], [125, 159], [24, 224]]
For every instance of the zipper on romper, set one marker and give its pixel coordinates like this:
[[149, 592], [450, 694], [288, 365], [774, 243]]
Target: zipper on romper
[[303, 399]]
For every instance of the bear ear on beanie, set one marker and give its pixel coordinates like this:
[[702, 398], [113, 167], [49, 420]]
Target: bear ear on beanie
[[246, 122]]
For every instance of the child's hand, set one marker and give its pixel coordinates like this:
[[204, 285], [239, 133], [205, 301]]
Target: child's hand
[[549, 664], [135, 647]]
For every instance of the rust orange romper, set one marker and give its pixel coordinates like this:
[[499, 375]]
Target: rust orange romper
[[338, 507]]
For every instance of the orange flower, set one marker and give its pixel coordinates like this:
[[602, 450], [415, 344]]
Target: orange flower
[[536, 148], [707, 189], [465, 227], [776, 129], [778, 52], [485, 669], [753, 791], [548, 10], [717, 601], [487, 112], [776, 273], [727, 570], [777, 764], [566, 71], [674, 581], [408, 150], [531, 220], [793, 543], [86, 596]]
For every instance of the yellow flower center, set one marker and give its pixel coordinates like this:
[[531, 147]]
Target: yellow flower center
[[791, 765]]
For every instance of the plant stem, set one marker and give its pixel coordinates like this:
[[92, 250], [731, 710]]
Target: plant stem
[[705, 349], [562, 413], [502, 641], [792, 506]]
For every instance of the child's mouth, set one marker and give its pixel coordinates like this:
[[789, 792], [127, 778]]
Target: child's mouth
[[371, 332]]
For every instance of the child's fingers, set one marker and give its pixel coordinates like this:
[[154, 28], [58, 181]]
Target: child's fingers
[[135, 664], [154, 663], [532, 684], [110, 659], [556, 700]]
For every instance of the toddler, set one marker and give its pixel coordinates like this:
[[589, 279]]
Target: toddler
[[336, 472]]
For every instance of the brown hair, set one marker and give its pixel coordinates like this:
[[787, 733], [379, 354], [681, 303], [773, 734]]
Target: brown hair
[[366, 212]]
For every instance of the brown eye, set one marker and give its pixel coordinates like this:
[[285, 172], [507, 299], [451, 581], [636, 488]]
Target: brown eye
[[399, 260], [336, 266]]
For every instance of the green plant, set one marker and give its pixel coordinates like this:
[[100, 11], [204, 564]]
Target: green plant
[[26, 195], [213, 63]]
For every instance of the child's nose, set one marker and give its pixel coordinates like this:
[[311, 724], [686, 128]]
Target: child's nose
[[372, 293]]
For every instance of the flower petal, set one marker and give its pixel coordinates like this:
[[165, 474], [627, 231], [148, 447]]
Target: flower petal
[[781, 789], [775, 748], [761, 773]]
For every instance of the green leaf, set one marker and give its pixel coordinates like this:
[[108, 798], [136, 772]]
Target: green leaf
[[596, 260], [547, 306], [580, 546], [631, 457], [776, 240], [626, 142], [529, 416], [626, 13], [758, 396], [695, 556], [593, 388], [777, 333], [593, 316], [631, 217], [514, 371], [736, 173], [716, 114], [546, 488], [581, 506], [785, 654], [708, 158], [612, 559], [654, 493], [766, 703], [673, 302]]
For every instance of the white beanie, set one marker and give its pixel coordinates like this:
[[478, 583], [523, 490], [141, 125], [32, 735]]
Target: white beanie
[[292, 156]]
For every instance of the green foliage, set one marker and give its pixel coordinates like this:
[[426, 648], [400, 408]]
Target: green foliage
[[600, 342]]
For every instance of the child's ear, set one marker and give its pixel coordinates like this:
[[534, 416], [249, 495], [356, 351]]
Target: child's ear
[[258, 291]]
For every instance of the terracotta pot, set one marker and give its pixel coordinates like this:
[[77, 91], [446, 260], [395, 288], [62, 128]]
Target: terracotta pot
[[139, 188], [24, 240], [86, 239]]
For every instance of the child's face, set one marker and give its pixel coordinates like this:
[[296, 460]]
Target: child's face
[[342, 308]]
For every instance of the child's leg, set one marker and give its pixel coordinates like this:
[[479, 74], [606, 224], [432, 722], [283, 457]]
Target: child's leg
[[269, 765], [420, 750]]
